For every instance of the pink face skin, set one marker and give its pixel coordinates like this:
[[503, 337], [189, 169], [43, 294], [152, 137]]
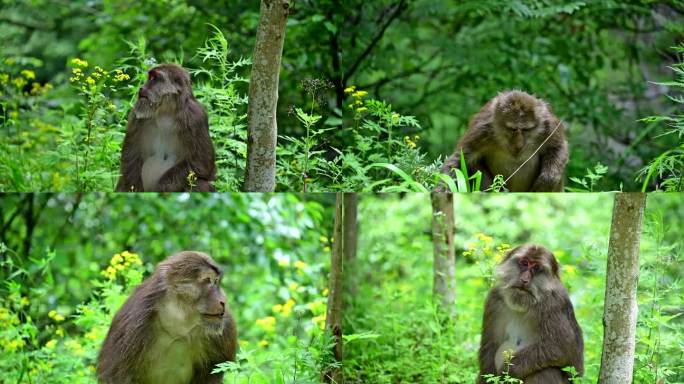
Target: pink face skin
[[528, 268], [152, 76]]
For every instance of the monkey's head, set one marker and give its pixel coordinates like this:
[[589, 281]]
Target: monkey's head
[[526, 275], [517, 120], [193, 292], [166, 88]]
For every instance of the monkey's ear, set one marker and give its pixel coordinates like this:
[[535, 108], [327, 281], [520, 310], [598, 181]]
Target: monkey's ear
[[554, 265]]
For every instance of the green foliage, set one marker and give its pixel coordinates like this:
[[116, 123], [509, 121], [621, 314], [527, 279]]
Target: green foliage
[[56, 305], [666, 171], [417, 344]]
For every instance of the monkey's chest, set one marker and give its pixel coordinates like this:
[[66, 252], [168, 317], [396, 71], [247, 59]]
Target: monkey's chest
[[170, 362], [161, 148], [518, 334], [507, 165]]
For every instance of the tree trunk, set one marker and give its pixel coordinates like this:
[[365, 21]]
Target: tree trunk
[[350, 241], [263, 96], [444, 285], [620, 308], [333, 318]]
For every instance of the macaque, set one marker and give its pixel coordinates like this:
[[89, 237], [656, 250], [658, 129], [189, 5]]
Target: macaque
[[167, 147], [173, 329], [506, 134], [528, 314]]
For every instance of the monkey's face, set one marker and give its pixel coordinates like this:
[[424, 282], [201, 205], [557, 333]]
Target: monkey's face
[[526, 275], [516, 121], [201, 298], [157, 95]]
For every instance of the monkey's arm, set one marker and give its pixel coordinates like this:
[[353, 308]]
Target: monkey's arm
[[489, 342], [130, 179], [195, 132], [553, 159], [560, 343]]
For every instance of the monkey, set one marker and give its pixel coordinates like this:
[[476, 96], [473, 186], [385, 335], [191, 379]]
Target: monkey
[[167, 147], [528, 312], [505, 135], [174, 327]]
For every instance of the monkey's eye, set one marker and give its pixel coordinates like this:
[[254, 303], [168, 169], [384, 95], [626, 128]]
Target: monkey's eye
[[536, 268], [206, 280], [523, 262]]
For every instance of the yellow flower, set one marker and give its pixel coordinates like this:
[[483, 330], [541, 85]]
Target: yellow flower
[[362, 109], [570, 270], [28, 74], [79, 63], [319, 321], [283, 262], [51, 344], [359, 94], [59, 331], [55, 316], [300, 265], [323, 239], [263, 343], [120, 76], [317, 306], [92, 335], [24, 301], [326, 248], [90, 81], [350, 89], [325, 292], [293, 286], [19, 82], [15, 344], [277, 308], [267, 323], [287, 307]]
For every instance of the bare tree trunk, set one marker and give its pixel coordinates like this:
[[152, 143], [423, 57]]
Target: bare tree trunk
[[620, 308], [444, 265], [333, 318], [263, 96], [350, 240]]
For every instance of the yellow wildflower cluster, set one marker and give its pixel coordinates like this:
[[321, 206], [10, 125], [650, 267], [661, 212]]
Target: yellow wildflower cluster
[[263, 343], [283, 262], [284, 309], [75, 347], [319, 321], [7, 318], [79, 63], [411, 143], [13, 345], [267, 323], [37, 89], [484, 238], [300, 265], [501, 251], [28, 74], [4, 78], [51, 344], [119, 262], [55, 316], [120, 76], [77, 75], [357, 104], [317, 306]]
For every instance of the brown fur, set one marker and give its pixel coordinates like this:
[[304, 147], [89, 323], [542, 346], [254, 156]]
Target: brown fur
[[136, 327], [551, 338], [493, 148], [186, 140]]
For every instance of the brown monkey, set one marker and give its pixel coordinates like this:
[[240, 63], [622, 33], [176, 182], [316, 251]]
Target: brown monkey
[[173, 329], [529, 313], [167, 147], [504, 134]]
